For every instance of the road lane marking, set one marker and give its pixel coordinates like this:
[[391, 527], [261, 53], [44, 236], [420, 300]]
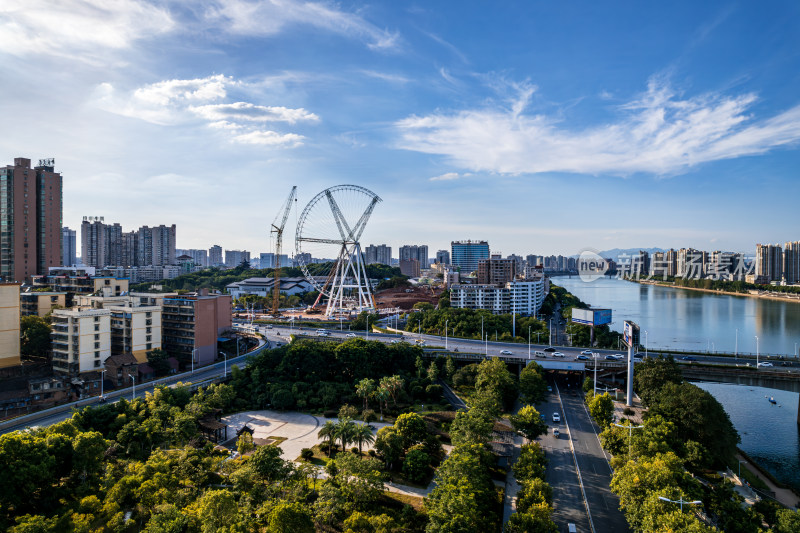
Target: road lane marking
[[575, 460]]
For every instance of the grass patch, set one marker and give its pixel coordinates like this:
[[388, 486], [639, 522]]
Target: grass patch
[[398, 479], [276, 441], [394, 498], [753, 479]]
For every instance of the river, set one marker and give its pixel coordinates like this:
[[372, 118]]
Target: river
[[694, 320]]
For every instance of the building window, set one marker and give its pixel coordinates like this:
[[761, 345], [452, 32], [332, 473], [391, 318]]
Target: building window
[[96, 346], [96, 365], [96, 354], [97, 319], [148, 314], [149, 346], [97, 327], [149, 338], [96, 337], [148, 330]]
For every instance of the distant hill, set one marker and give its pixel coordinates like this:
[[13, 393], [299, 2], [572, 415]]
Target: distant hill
[[614, 253]]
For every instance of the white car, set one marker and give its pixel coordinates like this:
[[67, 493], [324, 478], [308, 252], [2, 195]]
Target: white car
[[586, 352], [765, 364], [350, 335], [558, 354], [393, 341], [556, 417], [506, 352]]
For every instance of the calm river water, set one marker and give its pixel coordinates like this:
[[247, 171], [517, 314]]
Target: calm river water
[[680, 318], [694, 320]]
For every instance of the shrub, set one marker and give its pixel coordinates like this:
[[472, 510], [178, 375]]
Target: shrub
[[416, 465], [434, 392], [348, 411], [418, 392], [628, 411], [368, 415], [306, 454]]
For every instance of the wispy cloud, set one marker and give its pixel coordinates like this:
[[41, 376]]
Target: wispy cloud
[[173, 102], [450, 176], [81, 29], [658, 132], [269, 17], [251, 112]]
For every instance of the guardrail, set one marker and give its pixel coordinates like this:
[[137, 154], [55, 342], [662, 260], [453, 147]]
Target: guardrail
[[118, 393]]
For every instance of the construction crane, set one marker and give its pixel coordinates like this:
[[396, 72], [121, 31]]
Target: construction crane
[[277, 229]]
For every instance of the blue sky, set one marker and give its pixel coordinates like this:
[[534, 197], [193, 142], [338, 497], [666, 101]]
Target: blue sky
[[542, 127]]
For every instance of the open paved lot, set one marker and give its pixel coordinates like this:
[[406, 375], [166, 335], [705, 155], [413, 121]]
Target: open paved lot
[[299, 429]]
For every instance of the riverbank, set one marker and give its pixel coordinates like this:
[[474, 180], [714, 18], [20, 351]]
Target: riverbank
[[782, 494], [762, 295]]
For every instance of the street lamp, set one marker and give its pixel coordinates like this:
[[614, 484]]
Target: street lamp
[[645, 344], [739, 475], [681, 501], [756, 351], [630, 429], [226, 359], [551, 331], [445, 334], [487, 344], [101, 383], [529, 342], [194, 350], [133, 378]]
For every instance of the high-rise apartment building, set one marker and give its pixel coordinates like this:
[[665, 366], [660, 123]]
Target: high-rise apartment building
[[104, 245], [413, 251], [30, 215], [691, 263], [443, 257], [409, 267], [791, 262], [192, 323], [215, 256], [9, 324], [496, 270], [129, 243], [93, 242], [378, 254], [466, 254], [769, 263], [199, 257], [68, 243], [234, 258]]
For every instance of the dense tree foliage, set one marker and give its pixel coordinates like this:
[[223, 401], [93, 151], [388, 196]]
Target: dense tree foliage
[[466, 323], [34, 332], [534, 500], [652, 374], [532, 383]]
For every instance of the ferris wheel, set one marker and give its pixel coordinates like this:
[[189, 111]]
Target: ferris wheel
[[328, 248]]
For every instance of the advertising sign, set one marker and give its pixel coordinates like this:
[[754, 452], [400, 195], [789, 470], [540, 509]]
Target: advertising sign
[[630, 333], [602, 316], [582, 316]]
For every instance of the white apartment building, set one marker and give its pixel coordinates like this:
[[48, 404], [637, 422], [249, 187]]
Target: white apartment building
[[524, 297], [135, 330], [81, 340]]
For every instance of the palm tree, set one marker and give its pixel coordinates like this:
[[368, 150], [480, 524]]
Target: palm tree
[[344, 431], [328, 431], [362, 434]]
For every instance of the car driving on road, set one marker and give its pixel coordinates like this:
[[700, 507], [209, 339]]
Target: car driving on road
[[610, 358], [764, 364], [350, 335], [506, 352], [582, 357], [688, 358], [556, 417], [586, 352], [558, 354], [549, 349]]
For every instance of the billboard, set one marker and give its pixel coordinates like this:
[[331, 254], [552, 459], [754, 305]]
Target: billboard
[[630, 333], [591, 317], [582, 316]]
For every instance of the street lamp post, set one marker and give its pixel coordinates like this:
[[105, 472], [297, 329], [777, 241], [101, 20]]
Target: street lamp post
[[529, 342], [630, 429], [739, 475], [445, 334], [133, 378], [194, 350], [551, 331], [756, 351], [680, 501], [645, 344], [101, 383], [487, 344], [226, 360]]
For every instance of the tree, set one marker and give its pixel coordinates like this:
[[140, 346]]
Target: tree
[[471, 427], [411, 428], [416, 465], [449, 368], [328, 431], [652, 374], [534, 491], [244, 444], [532, 383], [288, 517], [433, 371], [389, 444], [536, 518], [493, 375], [601, 408], [365, 389], [34, 334], [420, 364], [361, 482], [216, 510], [392, 385], [528, 423], [788, 521], [158, 359], [345, 429], [268, 464], [362, 435], [531, 463]]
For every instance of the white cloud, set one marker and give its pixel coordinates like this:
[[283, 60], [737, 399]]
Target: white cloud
[[269, 17], [251, 112], [82, 29], [449, 176], [657, 133], [270, 138], [196, 90]]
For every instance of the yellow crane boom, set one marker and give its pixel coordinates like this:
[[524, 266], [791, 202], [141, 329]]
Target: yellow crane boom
[[277, 228]]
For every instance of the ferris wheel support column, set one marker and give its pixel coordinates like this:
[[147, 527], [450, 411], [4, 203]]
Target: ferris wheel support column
[[367, 299]]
